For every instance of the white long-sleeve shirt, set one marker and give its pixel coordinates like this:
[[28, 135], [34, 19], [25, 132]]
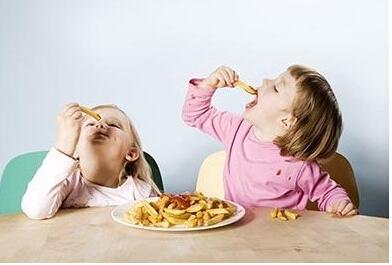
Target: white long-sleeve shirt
[[59, 183]]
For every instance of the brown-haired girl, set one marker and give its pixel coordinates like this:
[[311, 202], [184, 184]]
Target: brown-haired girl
[[272, 149]]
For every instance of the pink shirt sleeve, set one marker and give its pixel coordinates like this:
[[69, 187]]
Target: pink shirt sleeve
[[49, 187], [318, 185], [198, 112]]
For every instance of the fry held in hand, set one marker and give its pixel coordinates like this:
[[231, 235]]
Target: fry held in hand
[[90, 113], [191, 210], [246, 87]]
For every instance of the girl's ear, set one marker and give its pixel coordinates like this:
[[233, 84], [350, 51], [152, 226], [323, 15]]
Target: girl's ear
[[133, 154], [287, 122]]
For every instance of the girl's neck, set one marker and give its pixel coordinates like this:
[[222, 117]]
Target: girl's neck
[[104, 173], [264, 134]]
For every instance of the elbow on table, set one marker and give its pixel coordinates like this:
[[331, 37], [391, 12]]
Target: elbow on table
[[33, 212]]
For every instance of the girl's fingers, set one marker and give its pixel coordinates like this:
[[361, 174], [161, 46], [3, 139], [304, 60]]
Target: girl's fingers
[[68, 106], [82, 119], [236, 77], [222, 82], [226, 77], [332, 208], [352, 212], [77, 115], [347, 209], [341, 206], [231, 74], [72, 111]]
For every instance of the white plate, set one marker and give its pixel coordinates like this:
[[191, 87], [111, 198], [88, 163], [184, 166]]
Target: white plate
[[118, 212]]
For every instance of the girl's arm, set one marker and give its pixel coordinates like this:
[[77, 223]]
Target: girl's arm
[[318, 185], [197, 110], [50, 186]]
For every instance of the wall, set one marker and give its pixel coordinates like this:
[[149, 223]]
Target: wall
[[140, 55]]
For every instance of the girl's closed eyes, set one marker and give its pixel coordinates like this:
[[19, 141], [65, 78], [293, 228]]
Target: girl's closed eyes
[[114, 123]]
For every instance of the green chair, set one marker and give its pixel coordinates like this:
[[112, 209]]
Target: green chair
[[19, 171]]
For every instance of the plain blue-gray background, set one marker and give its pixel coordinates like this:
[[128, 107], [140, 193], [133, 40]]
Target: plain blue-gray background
[[140, 55]]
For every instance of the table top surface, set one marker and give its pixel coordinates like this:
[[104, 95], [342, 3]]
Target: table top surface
[[91, 235]]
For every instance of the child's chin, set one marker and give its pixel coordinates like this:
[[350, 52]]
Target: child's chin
[[98, 141]]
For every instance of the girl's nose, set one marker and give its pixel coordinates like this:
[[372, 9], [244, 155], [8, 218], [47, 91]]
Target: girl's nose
[[99, 125]]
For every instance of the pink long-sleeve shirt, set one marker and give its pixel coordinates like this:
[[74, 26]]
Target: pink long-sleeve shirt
[[59, 183], [255, 174]]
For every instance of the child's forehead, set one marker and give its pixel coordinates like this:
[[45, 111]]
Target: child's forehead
[[287, 84], [286, 79]]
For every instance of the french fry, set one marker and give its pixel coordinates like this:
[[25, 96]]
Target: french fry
[[218, 211], [155, 205], [191, 223], [216, 219], [153, 219], [206, 216], [291, 215], [195, 208], [281, 216], [231, 210], [139, 213], [174, 212], [163, 202], [199, 214], [182, 216], [192, 217], [274, 213], [195, 198], [149, 208], [164, 224], [159, 218], [90, 113], [246, 87], [173, 220]]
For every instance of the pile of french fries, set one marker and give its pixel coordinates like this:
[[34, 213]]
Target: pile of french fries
[[190, 209], [284, 215]]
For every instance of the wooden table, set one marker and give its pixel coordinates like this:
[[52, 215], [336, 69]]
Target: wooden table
[[90, 235]]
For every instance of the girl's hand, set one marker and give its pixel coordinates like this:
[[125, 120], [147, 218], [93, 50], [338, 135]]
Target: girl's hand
[[221, 77], [69, 123], [342, 208]]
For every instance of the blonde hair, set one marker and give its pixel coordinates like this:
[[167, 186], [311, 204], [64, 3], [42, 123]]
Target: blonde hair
[[139, 168], [318, 125]]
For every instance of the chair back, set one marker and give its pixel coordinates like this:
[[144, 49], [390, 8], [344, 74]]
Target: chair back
[[20, 170], [210, 177]]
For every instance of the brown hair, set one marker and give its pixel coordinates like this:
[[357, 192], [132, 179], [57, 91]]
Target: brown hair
[[318, 126], [139, 168]]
